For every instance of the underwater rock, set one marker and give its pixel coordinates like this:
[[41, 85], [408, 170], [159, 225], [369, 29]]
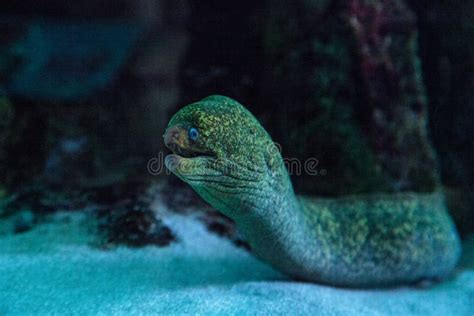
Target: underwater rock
[[137, 228], [310, 88], [125, 215], [346, 89], [396, 111]]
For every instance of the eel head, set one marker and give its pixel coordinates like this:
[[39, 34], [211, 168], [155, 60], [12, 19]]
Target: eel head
[[221, 150]]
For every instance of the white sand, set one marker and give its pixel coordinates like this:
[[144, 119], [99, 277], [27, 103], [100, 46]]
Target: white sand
[[54, 270]]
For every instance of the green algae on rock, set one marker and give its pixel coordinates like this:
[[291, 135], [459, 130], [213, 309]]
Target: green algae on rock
[[386, 39], [359, 241], [310, 87]]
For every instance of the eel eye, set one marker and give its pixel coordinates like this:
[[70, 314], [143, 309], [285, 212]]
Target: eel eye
[[193, 134]]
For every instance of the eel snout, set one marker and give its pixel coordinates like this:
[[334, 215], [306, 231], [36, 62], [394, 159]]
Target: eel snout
[[176, 139]]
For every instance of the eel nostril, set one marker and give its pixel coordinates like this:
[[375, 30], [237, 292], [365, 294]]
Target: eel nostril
[[168, 141], [172, 138]]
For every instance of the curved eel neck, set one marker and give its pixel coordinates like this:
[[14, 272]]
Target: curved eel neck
[[276, 228]]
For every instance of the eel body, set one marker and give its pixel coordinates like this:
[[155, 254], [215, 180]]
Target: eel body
[[223, 152]]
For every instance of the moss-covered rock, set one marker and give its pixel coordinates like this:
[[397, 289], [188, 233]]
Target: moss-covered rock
[[396, 114], [310, 84], [344, 80]]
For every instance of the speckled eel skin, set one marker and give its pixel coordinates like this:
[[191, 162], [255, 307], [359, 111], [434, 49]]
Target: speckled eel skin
[[225, 155]]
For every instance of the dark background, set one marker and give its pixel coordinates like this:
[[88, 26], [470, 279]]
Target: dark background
[[379, 92]]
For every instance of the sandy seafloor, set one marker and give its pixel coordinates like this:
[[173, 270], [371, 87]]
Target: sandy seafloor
[[56, 269]]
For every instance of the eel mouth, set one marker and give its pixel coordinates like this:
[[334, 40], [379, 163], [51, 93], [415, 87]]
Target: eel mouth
[[176, 140]]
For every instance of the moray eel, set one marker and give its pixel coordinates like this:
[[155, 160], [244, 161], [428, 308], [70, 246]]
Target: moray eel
[[221, 150]]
